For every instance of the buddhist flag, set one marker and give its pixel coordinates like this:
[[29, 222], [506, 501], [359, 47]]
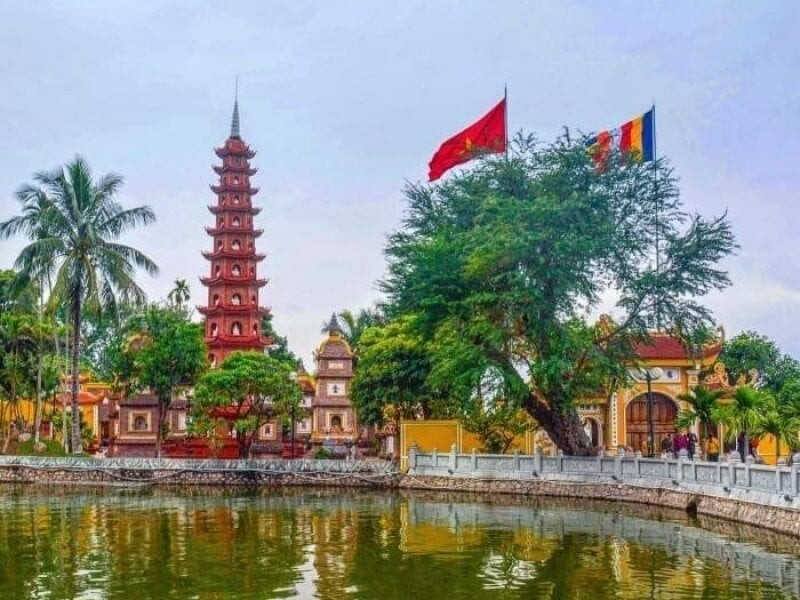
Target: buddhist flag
[[486, 136], [635, 138]]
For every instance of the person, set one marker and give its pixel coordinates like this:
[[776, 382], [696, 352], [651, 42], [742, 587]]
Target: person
[[691, 440], [645, 449], [666, 445], [712, 448], [679, 442]]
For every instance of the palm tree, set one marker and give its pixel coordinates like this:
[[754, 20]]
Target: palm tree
[[356, 323], [774, 424], [703, 404], [180, 293], [76, 241], [744, 414]]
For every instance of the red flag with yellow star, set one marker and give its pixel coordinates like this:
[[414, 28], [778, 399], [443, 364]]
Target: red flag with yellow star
[[486, 136]]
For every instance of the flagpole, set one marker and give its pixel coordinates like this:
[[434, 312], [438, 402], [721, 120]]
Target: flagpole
[[505, 100], [658, 223]]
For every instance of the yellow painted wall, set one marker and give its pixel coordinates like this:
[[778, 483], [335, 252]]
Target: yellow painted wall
[[442, 434]]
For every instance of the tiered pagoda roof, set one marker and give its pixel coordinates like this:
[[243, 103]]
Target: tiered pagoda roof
[[233, 312]]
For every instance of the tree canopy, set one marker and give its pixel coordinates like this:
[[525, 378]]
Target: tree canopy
[[250, 387], [502, 264]]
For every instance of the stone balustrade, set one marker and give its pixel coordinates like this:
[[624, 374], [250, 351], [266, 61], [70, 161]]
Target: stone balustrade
[[777, 486]]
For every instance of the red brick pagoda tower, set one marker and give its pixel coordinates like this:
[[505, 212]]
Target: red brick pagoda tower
[[233, 314]]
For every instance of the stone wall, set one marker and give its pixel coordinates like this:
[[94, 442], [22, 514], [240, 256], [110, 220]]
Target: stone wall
[[132, 471]]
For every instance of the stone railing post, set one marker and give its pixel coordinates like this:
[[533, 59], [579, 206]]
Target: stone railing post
[[636, 468], [618, 463], [793, 484], [748, 464], [560, 461], [453, 458], [537, 460], [435, 460], [683, 454], [733, 460], [474, 459], [516, 460], [412, 457]]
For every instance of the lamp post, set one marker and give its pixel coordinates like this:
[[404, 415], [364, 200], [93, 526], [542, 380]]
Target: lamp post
[[650, 375]]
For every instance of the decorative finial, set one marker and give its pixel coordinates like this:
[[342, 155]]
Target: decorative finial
[[333, 326], [235, 119]]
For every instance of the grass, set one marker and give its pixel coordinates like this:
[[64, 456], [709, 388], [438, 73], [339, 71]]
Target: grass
[[51, 448]]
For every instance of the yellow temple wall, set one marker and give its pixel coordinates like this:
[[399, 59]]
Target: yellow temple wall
[[440, 435]]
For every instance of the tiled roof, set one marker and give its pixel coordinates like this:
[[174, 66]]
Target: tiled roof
[[662, 346]]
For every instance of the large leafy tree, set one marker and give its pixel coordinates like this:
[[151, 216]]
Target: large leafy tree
[[74, 223], [505, 260], [248, 387], [164, 353], [750, 351], [394, 367]]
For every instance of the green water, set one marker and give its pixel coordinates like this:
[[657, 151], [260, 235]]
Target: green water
[[306, 544]]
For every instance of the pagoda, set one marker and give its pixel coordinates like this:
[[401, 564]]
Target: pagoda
[[233, 313]]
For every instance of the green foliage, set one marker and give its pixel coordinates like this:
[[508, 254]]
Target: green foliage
[[752, 351], [180, 294], [703, 405], [254, 386], [73, 223], [496, 423], [393, 369], [355, 324], [744, 414], [50, 448], [321, 454], [501, 263], [160, 350]]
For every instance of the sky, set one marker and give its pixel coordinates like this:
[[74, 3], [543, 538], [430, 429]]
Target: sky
[[345, 102]]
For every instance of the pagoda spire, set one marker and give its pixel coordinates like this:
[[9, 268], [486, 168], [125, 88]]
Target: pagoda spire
[[235, 118]]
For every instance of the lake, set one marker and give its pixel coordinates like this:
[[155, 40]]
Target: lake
[[295, 543]]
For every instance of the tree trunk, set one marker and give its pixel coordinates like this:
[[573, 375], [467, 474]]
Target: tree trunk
[[563, 426], [37, 418], [77, 447], [160, 425]]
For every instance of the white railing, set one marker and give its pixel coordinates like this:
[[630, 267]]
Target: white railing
[[721, 477]]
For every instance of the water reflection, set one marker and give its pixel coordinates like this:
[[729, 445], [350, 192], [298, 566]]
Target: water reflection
[[304, 544]]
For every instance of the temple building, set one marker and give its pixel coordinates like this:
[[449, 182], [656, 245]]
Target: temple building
[[333, 418], [233, 312]]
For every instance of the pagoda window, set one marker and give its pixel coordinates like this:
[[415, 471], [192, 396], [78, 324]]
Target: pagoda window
[[255, 328], [253, 300], [236, 328], [237, 222], [219, 245], [236, 199], [236, 271], [235, 180], [252, 270], [216, 271], [236, 245], [236, 300], [212, 360], [215, 300], [220, 221], [214, 330]]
